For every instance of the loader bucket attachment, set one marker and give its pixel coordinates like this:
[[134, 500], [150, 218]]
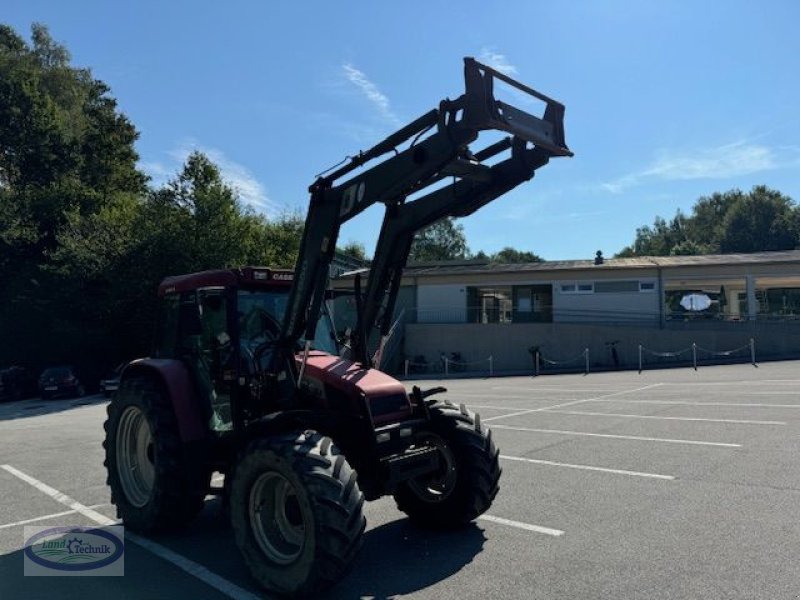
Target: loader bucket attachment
[[483, 111]]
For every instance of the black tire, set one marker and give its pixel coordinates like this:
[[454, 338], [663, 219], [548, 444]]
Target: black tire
[[325, 506], [179, 484], [467, 483]]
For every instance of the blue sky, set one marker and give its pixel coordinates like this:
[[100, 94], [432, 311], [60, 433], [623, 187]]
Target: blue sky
[[665, 102]]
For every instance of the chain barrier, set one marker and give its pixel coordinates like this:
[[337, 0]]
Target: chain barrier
[[538, 359], [447, 363], [694, 349], [725, 352]]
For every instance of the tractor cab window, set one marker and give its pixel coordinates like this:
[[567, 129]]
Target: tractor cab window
[[215, 366], [167, 336], [261, 314]]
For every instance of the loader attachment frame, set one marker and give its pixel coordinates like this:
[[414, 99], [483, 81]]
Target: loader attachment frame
[[428, 150]]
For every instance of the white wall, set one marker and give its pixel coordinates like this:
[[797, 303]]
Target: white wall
[[594, 306], [438, 302]]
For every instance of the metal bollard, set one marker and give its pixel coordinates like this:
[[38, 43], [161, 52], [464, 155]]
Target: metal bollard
[[640, 358], [694, 355], [586, 357]]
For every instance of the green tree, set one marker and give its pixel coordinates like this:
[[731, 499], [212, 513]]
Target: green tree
[[444, 240], [762, 220], [511, 255], [63, 144], [733, 221], [354, 249], [66, 155]]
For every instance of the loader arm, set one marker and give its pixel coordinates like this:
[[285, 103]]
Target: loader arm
[[439, 149]]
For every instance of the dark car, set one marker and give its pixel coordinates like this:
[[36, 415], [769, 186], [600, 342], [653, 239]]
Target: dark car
[[16, 383], [110, 383], [60, 382]]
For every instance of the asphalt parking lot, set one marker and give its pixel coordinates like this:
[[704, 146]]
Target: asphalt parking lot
[[665, 484]]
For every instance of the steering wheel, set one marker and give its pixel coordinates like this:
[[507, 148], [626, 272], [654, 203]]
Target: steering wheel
[[262, 325]]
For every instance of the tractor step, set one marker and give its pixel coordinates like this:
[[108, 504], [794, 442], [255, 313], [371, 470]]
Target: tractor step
[[410, 464]]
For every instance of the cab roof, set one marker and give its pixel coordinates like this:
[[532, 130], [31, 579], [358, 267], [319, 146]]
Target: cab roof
[[259, 277]]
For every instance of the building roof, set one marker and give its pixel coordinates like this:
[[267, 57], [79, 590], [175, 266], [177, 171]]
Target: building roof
[[470, 267]]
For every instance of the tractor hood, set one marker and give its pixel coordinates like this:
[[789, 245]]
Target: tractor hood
[[386, 397]]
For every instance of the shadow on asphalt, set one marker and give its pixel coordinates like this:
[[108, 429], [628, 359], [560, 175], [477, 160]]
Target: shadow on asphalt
[[36, 407], [399, 558]]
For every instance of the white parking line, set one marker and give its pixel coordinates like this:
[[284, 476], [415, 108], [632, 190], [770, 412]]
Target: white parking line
[[618, 437], [573, 402], [192, 568], [737, 383], [549, 388], [520, 525], [602, 414], [509, 396], [552, 463], [47, 517], [689, 403]]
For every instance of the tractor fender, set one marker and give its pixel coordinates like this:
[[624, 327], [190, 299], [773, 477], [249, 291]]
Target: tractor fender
[[177, 382]]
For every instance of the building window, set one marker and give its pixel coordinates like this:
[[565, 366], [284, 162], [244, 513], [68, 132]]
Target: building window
[[701, 299], [577, 288], [489, 304], [533, 303], [647, 286], [615, 287], [777, 298]]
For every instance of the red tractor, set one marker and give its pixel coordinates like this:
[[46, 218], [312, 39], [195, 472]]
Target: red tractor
[[248, 379]]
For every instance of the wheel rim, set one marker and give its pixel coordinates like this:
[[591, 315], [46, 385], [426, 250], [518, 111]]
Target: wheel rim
[[135, 456], [438, 485], [276, 518]]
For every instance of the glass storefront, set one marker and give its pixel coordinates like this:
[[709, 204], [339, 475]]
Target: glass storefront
[[777, 298], [712, 298]]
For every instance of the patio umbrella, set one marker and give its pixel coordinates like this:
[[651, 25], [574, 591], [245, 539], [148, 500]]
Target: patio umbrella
[[695, 302]]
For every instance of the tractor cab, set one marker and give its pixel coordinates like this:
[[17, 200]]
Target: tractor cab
[[224, 325]]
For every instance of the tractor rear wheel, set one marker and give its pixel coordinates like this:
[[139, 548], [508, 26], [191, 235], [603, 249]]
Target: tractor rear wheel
[[466, 482], [297, 512], [153, 484]]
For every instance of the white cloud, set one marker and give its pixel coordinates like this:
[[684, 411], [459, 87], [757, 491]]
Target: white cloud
[[250, 190], [496, 60], [377, 98], [722, 162]]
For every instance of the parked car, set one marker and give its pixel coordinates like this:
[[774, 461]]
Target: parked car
[[60, 381], [16, 383], [110, 383]]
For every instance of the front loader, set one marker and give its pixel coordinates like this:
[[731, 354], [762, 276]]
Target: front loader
[[248, 379]]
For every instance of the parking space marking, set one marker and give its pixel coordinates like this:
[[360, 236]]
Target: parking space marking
[[520, 525], [47, 517], [602, 414], [221, 584], [737, 383], [618, 437], [552, 463], [689, 403], [549, 388], [573, 402]]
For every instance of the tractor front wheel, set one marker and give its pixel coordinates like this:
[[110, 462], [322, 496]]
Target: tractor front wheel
[[153, 482], [296, 511], [466, 482]]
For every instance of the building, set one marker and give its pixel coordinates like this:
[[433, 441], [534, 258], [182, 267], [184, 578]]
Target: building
[[480, 309]]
